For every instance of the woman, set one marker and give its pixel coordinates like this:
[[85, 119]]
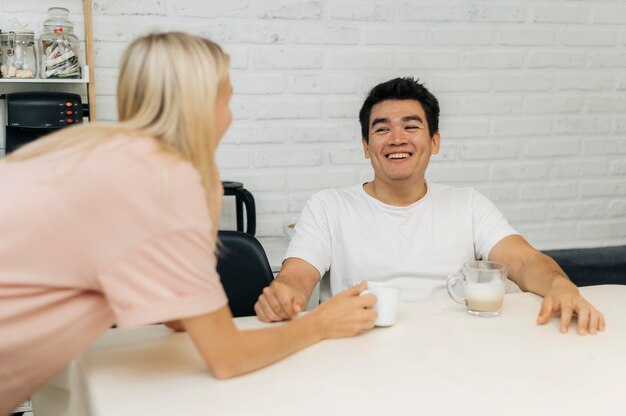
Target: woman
[[116, 224]]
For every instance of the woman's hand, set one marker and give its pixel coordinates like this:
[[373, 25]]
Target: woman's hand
[[345, 314]]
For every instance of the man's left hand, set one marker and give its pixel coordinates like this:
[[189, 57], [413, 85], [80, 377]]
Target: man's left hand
[[565, 297]]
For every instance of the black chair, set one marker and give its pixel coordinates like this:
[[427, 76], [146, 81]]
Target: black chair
[[593, 266], [244, 270], [243, 198]]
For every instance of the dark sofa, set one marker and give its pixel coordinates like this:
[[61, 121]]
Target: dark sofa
[[593, 266]]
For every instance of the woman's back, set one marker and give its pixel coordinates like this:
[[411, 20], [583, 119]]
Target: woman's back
[[115, 233]]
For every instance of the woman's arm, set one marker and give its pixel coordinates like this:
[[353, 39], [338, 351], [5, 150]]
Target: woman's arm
[[229, 352]]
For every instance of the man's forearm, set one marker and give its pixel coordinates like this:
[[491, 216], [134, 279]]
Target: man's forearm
[[300, 275], [539, 273], [529, 268], [535, 272], [302, 285]]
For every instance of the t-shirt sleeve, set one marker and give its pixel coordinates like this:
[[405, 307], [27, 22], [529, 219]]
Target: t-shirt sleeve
[[489, 225], [312, 241], [172, 276]]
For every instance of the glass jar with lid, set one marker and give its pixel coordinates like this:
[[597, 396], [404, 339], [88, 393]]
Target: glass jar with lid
[[17, 54], [59, 46]]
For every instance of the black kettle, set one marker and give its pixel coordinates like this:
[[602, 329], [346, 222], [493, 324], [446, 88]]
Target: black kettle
[[242, 198]]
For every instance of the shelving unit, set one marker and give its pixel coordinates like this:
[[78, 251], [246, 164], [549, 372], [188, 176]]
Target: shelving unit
[[85, 86], [83, 80], [76, 86], [80, 86]]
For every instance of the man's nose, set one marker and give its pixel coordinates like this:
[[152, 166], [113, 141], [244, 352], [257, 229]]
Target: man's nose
[[397, 136]]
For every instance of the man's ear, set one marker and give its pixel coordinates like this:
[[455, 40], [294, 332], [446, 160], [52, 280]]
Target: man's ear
[[436, 143], [366, 151]]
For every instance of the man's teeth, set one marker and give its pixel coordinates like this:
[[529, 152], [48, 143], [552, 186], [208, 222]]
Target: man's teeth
[[398, 155]]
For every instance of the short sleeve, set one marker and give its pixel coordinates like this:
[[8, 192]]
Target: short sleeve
[[312, 239], [489, 225], [172, 276]]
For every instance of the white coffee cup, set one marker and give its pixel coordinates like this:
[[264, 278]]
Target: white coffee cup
[[388, 300], [484, 286]]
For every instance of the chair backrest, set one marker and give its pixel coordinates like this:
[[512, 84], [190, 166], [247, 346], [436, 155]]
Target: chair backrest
[[244, 270], [592, 266]]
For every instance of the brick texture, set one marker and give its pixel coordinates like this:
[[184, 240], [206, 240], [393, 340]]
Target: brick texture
[[531, 93]]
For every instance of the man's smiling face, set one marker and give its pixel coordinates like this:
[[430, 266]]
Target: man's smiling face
[[399, 143]]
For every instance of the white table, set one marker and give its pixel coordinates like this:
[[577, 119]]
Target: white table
[[437, 359]]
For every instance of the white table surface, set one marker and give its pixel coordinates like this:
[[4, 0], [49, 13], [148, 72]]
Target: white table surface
[[437, 359]]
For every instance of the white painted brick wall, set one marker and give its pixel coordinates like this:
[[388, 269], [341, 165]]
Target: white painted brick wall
[[524, 212], [316, 34], [532, 95], [526, 35], [559, 59], [289, 9], [551, 149], [575, 210], [520, 171], [288, 157], [559, 14], [583, 125], [617, 208], [361, 11]]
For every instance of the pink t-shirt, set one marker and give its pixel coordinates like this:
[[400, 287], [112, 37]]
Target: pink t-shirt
[[120, 234]]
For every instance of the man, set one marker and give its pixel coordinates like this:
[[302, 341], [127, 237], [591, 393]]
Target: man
[[399, 226]]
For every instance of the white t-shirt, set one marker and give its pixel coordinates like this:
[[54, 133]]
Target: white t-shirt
[[357, 237]]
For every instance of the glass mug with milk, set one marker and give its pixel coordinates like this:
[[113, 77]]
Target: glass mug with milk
[[484, 283]]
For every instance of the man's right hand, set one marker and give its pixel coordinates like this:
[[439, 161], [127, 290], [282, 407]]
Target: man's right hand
[[279, 301]]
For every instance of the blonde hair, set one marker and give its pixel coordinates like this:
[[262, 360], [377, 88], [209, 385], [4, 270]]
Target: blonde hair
[[167, 89]]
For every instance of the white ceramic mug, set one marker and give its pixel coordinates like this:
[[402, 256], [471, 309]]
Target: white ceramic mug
[[388, 300], [484, 284]]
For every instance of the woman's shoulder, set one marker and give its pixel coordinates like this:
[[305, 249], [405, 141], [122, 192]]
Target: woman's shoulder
[[138, 170], [139, 153], [131, 166]]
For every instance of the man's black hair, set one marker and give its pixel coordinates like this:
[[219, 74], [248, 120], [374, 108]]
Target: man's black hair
[[406, 88]]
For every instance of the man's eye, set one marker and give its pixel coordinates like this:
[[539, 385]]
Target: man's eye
[[382, 130], [412, 127]]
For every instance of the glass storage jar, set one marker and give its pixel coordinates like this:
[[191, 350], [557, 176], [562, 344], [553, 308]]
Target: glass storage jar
[[59, 46], [17, 56]]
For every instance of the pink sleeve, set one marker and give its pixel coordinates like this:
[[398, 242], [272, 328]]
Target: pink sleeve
[[170, 277]]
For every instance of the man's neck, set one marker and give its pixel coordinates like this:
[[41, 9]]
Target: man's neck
[[397, 193]]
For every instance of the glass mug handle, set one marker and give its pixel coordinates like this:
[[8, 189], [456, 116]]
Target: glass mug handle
[[452, 281]]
